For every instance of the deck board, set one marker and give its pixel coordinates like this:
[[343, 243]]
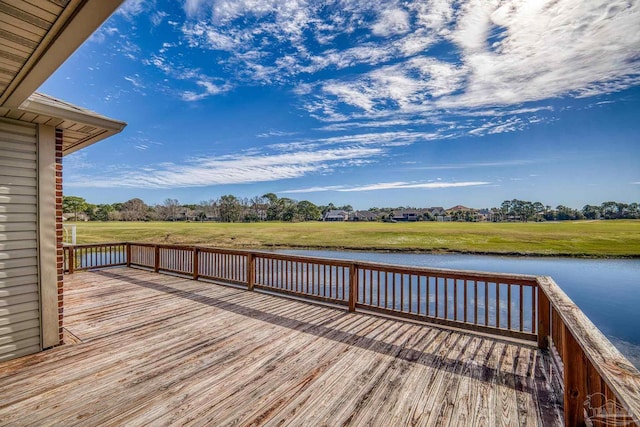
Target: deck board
[[150, 349]]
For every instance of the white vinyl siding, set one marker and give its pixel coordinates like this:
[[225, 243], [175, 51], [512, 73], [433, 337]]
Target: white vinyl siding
[[19, 295]]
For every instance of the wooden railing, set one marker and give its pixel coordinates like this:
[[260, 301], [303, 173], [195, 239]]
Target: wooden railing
[[101, 255], [598, 380], [600, 384]]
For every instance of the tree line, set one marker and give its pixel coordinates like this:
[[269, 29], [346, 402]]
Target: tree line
[[522, 210], [227, 208], [269, 207]]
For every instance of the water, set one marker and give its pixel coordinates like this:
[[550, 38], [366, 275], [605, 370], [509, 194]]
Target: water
[[606, 290]]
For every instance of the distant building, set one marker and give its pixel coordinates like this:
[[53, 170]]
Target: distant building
[[407, 215], [73, 217], [336, 216], [459, 208], [436, 211], [363, 216]]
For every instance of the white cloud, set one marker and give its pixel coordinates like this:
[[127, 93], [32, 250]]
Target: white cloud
[[434, 15], [77, 161], [275, 133], [102, 33], [389, 186], [233, 169], [508, 52], [494, 164], [391, 21], [135, 81], [132, 8], [209, 86], [498, 54], [158, 17], [547, 50], [499, 126]]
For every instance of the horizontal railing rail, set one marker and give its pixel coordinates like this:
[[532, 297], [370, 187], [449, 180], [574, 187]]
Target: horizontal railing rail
[[598, 380]]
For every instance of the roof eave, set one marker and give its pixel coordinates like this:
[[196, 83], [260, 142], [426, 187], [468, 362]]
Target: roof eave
[[37, 107], [89, 141], [73, 27]]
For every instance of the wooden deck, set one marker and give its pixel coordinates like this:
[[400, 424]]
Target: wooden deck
[[150, 349]]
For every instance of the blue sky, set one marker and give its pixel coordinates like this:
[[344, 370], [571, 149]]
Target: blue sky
[[370, 103]]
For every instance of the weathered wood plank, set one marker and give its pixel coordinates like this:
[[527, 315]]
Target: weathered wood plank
[[158, 349]]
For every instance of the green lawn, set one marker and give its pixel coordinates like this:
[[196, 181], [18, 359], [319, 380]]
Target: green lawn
[[572, 238]]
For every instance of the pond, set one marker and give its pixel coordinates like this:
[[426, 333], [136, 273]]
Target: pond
[[606, 290]]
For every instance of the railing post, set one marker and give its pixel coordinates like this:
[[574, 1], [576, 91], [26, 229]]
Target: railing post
[[72, 260], [194, 264], [251, 270], [544, 319], [353, 286], [575, 380], [127, 249], [156, 261]]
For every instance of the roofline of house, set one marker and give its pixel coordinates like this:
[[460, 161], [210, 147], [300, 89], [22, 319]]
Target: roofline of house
[[62, 110]]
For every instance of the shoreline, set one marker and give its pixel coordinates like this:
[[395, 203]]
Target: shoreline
[[439, 251]]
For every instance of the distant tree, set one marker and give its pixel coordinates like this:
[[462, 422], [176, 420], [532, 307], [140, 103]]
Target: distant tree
[[623, 210], [564, 213], [591, 212], [610, 210], [538, 209], [90, 211], [283, 209], [230, 209], [327, 208], [308, 211], [74, 205], [155, 213], [102, 212], [259, 206], [114, 216], [134, 210], [289, 208], [274, 207], [271, 197], [171, 210]]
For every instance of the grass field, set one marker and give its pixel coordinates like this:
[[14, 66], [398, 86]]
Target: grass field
[[570, 238]]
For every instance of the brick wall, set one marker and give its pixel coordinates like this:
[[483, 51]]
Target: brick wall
[[59, 230]]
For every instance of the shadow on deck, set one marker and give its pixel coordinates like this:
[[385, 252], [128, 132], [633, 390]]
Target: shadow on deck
[[159, 349]]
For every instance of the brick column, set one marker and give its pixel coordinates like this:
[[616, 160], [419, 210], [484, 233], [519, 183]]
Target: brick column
[[59, 230]]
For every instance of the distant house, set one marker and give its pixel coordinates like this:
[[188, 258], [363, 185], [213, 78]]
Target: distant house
[[407, 215], [483, 214], [336, 215], [459, 208], [185, 214], [73, 217], [436, 211], [363, 216]]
